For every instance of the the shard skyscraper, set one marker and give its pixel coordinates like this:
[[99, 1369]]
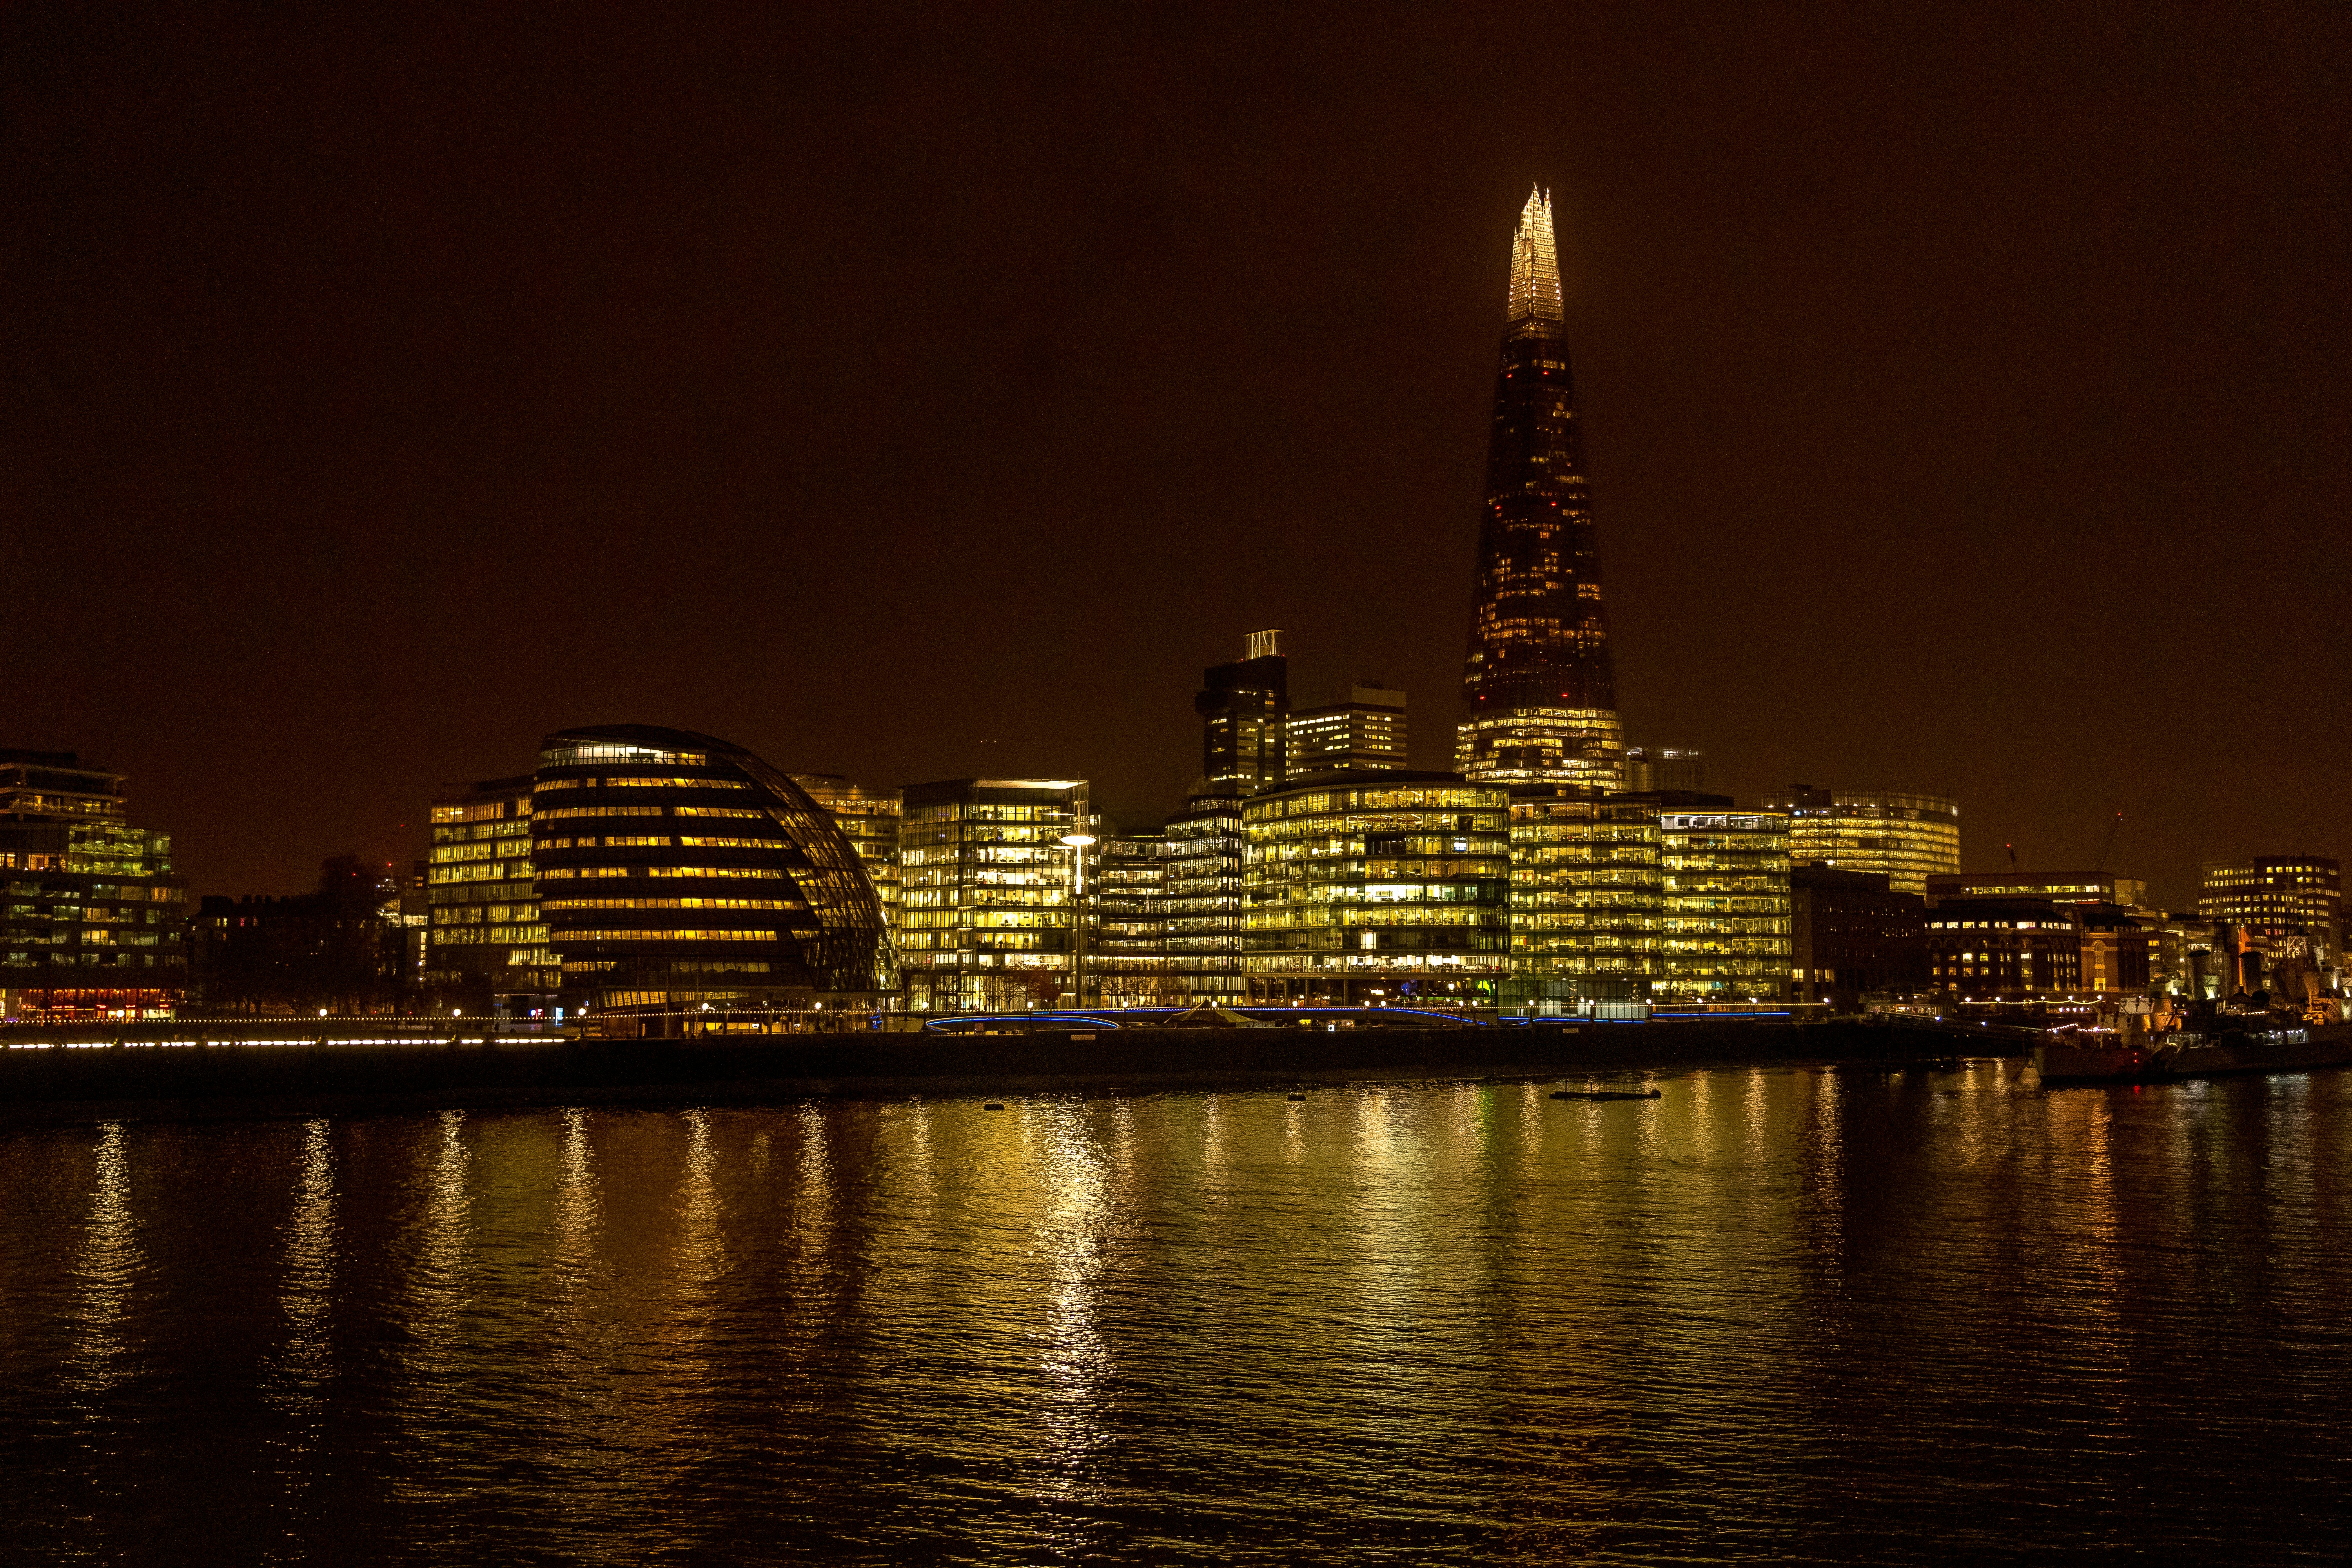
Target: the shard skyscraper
[[1540, 694]]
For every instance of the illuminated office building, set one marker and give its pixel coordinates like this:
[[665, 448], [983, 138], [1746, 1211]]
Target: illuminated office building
[[1127, 923], [2275, 897], [96, 920], [676, 870], [1365, 733], [2006, 950], [1202, 899], [986, 888], [485, 943], [1587, 902], [2085, 889], [1649, 769], [1540, 691], [869, 818], [1907, 838], [1724, 928], [1244, 707], [1377, 887]]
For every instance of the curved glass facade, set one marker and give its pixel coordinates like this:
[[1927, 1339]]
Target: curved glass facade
[[676, 869], [1376, 885], [1906, 838]]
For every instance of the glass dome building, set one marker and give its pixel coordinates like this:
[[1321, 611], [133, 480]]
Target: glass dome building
[[677, 869]]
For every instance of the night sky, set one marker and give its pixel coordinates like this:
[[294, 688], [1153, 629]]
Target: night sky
[[927, 391]]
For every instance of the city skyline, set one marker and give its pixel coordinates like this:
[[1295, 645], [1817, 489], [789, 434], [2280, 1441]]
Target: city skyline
[[1894, 501]]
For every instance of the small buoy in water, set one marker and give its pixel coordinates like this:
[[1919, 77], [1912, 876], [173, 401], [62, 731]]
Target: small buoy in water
[[1298, 1097], [992, 1105]]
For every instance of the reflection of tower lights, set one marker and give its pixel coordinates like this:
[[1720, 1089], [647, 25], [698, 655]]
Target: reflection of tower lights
[[110, 1259]]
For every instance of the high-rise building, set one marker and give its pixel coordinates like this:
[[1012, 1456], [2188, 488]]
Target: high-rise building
[[1539, 690], [1587, 899], [2275, 897], [1202, 899], [1651, 768], [676, 869], [1378, 886], [1363, 734], [1906, 838], [869, 818], [987, 891], [1243, 708], [1127, 923], [486, 946], [1724, 928], [97, 920]]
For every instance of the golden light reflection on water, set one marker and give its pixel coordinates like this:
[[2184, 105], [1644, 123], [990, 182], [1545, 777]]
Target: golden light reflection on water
[[106, 1270], [1086, 1326], [1073, 1232], [307, 1292], [579, 1216]]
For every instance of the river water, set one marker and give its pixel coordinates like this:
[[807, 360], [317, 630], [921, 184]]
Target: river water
[[1777, 1313]]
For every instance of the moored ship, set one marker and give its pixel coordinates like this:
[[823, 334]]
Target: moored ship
[[2245, 1043]]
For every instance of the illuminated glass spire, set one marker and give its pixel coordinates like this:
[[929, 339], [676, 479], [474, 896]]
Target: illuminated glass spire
[[1535, 265], [1539, 688]]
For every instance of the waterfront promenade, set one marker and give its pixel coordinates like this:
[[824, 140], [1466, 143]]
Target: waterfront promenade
[[295, 1067]]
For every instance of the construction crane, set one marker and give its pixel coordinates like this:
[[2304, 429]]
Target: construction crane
[[2101, 868]]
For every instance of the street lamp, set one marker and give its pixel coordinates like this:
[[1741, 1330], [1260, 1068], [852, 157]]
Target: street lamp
[[1078, 843]]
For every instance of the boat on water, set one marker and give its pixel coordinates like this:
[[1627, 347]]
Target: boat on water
[[2249, 1043]]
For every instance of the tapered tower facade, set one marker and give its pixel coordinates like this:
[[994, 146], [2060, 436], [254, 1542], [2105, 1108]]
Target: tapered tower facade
[[1540, 691]]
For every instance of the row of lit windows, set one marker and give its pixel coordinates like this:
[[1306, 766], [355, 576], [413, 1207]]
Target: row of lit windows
[[476, 811], [674, 904], [101, 936], [452, 853], [96, 914], [488, 936], [466, 832], [19, 959], [1277, 917], [611, 751], [683, 934], [557, 873]]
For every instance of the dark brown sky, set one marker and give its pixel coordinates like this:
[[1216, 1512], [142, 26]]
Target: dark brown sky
[[930, 390]]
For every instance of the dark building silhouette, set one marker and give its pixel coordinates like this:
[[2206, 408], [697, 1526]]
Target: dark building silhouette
[[1243, 708], [1651, 768], [342, 949], [1854, 936], [1539, 690]]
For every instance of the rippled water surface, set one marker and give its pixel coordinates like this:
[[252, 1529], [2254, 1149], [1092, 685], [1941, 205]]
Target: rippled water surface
[[1775, 1313]]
